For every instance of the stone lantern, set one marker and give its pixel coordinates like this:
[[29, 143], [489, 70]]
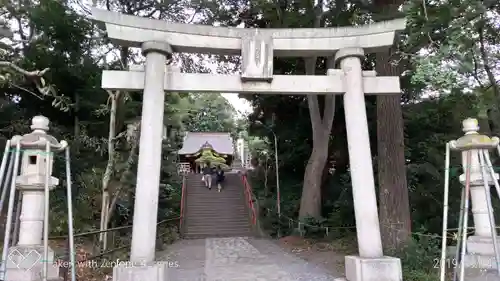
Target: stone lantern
[[480, 248], [26, 260]]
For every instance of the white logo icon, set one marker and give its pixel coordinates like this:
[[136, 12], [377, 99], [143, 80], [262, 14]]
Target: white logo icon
[[24, 261]]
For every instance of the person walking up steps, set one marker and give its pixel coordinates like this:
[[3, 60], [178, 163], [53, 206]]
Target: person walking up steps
[[219, 178], [207, 175]]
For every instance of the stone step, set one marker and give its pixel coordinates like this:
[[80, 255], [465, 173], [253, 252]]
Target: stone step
[[220, 227], [228, 203], [210, 213], [215, 194], [220, 205], [215, 218], [216, 211], [215, 229], [199, 235], [215, 199], [226, 180], [233, 202], [228, 206], [201, 186], [234, 224], [203, 191], [216, 208], [218, 230], [225, 208]]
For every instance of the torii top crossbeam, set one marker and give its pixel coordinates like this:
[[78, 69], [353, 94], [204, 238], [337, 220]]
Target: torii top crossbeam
[[257, 47], [298, 42]]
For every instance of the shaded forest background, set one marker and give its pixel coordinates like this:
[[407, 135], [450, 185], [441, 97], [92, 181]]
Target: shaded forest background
[[448, 59]]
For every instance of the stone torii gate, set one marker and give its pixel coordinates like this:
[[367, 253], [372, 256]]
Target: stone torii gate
[[159, 39]]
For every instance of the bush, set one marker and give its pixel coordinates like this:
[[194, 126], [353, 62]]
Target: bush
[[419, 259]]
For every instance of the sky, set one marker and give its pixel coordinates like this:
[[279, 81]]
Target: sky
[[241, 105]]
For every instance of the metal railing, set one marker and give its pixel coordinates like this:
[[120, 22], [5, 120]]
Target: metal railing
[[249, 199], [183, 199], [65, 259]]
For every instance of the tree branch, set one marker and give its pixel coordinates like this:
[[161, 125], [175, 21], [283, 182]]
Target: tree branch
[[34, 73], [475, 74]]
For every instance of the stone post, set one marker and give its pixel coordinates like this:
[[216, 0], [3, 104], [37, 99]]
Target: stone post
[[370, 264], [25, 259], [142, 266]]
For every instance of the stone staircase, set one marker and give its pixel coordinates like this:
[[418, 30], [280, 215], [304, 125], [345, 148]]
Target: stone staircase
[[208, 213]]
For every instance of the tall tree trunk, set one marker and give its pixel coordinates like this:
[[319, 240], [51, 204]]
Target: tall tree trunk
[[310, 203], [110, 168], [393, 191], [394, 204], [126, 174]]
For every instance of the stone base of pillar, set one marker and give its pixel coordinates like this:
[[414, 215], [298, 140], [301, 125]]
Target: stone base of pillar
[[478, 267], [26, 263], [481, 275], [484, 262], [367, 269], [154, 272], [481, 245], [480, 253]]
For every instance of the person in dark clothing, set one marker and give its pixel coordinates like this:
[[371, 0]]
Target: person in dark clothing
[[207, 175], [219, 178]]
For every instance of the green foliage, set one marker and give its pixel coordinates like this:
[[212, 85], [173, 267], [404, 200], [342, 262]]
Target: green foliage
[[63, 40], [419, 259], [460, 52], [208, 113]]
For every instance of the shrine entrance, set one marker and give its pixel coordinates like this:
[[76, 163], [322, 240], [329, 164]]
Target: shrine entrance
[[201, 147], [345, 46]]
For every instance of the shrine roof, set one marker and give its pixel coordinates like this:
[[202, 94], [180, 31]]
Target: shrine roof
[[194, 141]]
